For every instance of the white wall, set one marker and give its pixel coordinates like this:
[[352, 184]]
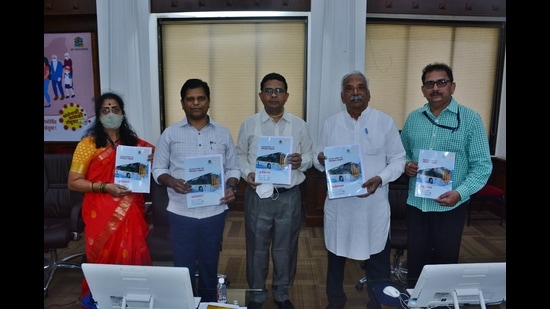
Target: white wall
[[125, 63], [500, 149]]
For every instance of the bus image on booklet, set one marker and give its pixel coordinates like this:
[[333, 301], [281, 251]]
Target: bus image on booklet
[[276, 160], [134, 170], [205, 183], [438, 176]]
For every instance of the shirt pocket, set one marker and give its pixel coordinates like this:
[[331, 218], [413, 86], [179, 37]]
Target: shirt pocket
[[372, 146], [455, 142], [219, 148]]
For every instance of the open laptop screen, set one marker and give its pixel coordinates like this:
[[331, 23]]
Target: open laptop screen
[[136, 287], [463, 283]]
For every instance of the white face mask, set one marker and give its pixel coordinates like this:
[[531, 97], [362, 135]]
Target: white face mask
[[111, 121]]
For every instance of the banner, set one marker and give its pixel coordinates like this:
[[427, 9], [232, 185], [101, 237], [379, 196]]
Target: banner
[[68, 85]]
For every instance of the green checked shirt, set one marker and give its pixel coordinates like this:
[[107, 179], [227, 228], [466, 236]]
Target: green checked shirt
[[458, 129]]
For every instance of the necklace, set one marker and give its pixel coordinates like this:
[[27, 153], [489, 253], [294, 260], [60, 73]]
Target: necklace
[[111, 141]]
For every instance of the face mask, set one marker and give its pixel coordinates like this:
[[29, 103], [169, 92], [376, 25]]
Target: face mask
[[111, 121]]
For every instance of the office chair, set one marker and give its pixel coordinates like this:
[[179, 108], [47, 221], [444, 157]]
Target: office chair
[[397, 195], [158, 239], [62, 216], [488, 194]]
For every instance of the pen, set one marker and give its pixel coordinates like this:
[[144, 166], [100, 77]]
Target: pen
[[366, 131]]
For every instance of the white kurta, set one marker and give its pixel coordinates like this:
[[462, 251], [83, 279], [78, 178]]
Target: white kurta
[[356, 227]]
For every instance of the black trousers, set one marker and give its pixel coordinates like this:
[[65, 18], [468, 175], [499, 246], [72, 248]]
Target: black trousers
[[433, 238], [377, 268]]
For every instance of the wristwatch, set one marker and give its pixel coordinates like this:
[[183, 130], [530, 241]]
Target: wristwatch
[[234, 188]]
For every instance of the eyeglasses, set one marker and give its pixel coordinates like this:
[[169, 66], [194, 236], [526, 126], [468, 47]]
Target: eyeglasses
[[114, 110], [273, 90], [442, 126], [440, 83], [200, 98]]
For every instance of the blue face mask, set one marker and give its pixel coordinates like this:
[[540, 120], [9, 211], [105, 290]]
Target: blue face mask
[[111, 121]]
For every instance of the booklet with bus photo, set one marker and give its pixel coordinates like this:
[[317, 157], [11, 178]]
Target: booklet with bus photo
[[435, 171], [132, 169], [272, 159], [205, 175], [343, 171]]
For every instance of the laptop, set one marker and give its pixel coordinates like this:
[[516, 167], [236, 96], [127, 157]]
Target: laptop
[[137, 287], [459, 285]]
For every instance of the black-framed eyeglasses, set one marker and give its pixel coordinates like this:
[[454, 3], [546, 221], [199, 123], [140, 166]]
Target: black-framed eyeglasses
[[453, 129], [274, 90], [440, 83], [114, 109]]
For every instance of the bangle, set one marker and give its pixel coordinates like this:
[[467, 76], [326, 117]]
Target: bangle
[[92, 186], [102, 187]]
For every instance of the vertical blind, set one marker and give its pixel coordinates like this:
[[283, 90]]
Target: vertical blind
[[233, 56], [396, 54]]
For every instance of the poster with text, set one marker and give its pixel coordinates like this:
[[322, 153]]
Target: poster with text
[[68, 85]]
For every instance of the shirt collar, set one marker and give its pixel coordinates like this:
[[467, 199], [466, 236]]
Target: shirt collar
[[265, 117], [452, 107]]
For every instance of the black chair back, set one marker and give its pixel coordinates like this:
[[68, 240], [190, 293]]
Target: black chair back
[[158, 239], [63, 221], [62, 207], [398, 192]]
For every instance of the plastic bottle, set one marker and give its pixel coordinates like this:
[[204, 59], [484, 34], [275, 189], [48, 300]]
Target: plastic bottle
[[221, 290]]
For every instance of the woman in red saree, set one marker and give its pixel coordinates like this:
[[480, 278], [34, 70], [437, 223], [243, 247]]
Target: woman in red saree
[[114, 217]]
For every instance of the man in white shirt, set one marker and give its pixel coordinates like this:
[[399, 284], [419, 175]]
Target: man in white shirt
[[358, 227], [195, 232], [273, 211]]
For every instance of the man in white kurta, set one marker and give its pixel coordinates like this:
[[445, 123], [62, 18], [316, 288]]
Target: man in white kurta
[[358, 227]]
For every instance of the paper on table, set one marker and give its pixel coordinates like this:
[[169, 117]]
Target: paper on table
[[212, 305]]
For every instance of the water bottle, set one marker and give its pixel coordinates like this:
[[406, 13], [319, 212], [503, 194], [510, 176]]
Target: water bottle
[[221, 290]]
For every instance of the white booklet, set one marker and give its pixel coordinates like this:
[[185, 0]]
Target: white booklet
[[343, 171], [132, 169], [206, 177], [212, 305], [435, 170], [272, 159]]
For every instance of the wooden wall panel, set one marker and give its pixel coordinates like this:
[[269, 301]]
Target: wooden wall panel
[[165, 6], [492, 8], [69, 7], [489, 8]]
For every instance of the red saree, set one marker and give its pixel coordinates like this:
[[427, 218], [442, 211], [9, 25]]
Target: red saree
[[115, 228]]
